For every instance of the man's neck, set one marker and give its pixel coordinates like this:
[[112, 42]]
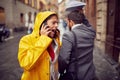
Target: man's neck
[[75, 25]]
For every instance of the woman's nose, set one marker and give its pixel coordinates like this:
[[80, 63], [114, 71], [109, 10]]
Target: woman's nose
[[56, 25]]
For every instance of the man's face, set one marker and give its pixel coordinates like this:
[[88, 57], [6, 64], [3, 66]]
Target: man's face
[[53, 24]]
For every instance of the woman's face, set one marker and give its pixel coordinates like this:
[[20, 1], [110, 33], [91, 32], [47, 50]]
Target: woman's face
[[53, 24]]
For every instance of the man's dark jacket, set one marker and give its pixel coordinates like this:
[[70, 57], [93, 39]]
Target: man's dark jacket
[[85, 44]]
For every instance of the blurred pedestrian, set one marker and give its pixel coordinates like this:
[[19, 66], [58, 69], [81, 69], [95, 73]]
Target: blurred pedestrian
[[76, 54], [30, 28], [38, 51]]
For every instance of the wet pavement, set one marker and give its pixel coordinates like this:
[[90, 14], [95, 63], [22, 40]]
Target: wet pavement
[[9, 66], [10, 69], [104, 69]]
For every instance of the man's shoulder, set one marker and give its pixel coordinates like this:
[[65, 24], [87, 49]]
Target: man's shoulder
[[68, 33]]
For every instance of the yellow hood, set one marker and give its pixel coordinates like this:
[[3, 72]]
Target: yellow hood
[[39, 20]]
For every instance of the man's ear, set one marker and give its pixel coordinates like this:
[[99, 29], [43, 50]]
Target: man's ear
[[71, 22]]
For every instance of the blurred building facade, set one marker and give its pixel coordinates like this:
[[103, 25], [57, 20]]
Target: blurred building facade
[[17, 13], [104, 15], [62, 9]]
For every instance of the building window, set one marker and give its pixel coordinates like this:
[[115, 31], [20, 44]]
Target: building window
[[2, 15], [35, 15], [29, 17], [41, 5], [35, 4], [30, 2], [26, 1], [21, 17], [22, 1]]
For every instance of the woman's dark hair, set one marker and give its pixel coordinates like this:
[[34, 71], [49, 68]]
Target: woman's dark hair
[[45, 21], [76, 16]]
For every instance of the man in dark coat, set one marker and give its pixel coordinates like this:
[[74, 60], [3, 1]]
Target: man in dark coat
[[85, 36]]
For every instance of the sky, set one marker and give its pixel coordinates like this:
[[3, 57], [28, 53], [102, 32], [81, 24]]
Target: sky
[[59, 1]]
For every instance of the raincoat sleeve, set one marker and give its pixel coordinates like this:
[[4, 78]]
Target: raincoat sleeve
[[28, 53], [65, 51]]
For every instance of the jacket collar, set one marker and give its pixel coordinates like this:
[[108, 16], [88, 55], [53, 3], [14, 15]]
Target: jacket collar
[[76, 25]]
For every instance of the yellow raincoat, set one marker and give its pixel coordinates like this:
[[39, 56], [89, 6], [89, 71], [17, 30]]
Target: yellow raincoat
[[33, 55]]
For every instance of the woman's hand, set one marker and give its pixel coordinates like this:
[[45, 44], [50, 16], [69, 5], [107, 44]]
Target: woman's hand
[[45, 30]]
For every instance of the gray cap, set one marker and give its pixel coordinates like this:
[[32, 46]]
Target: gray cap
[[75, 3]]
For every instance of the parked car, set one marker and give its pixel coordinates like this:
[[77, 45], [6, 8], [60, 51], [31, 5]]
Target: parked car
[[4, 32]]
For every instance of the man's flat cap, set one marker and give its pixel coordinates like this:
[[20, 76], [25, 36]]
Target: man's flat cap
[[74, 4]]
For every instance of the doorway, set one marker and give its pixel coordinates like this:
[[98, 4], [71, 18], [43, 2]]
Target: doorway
[[113, 29]]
